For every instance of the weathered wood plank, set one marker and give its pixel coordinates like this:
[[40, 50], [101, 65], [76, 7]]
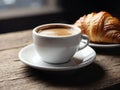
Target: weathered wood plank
[[15, 39]]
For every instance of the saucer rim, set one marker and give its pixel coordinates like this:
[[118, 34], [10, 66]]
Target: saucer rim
[[104, 45], [55, 68]]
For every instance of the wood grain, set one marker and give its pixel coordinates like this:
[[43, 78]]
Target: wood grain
[[15, 39], [15, 75]]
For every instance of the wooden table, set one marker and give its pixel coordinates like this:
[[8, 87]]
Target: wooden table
[[103, 73]]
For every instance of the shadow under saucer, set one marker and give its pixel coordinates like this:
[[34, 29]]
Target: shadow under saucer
[[79, 77], [108, 51]]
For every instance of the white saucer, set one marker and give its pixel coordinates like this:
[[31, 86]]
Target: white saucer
[[81, 59], [104, 45]]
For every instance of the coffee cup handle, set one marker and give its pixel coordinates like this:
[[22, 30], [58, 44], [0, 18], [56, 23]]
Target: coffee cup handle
[[84, 40]]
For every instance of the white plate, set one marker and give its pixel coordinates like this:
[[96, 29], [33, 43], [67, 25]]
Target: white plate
[[81, 59], [104, 45]]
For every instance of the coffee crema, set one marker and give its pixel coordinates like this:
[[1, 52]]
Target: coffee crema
[[57, 32]]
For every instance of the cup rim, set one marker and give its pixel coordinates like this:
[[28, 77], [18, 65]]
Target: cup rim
[[69, 25]]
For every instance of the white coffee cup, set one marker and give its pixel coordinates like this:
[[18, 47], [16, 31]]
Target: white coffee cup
[[56, 49]]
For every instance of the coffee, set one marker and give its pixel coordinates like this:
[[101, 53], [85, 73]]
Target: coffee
[[57, 32]]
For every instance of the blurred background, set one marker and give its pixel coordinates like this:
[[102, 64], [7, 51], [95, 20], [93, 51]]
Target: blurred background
[[16, 15]]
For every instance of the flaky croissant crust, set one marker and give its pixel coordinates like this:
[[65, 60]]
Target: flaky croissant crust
[[100, 27]]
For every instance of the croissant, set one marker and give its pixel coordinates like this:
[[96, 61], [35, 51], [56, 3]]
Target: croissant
[[100, 27]]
